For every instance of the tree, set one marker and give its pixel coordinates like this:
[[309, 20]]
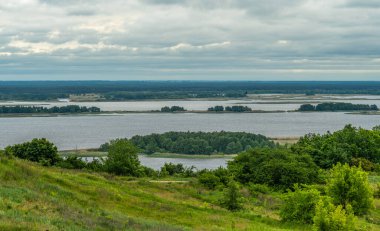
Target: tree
[[349, 186], [299, 206], [123, 159], [37, 150], [232, 199], [329, 217], [278, 168]]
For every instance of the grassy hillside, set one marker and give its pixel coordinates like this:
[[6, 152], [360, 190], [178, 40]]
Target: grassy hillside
[[33, 197]]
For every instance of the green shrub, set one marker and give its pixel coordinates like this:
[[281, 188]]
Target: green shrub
[[209, 180], [329, 217], [365, 164], [299, 206], [255, 189], [349, 186], [72, 162], [123, 159], [232, 199], [278, 168], [37, 150]]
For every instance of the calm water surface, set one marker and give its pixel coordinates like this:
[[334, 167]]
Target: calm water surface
[[71, 132]]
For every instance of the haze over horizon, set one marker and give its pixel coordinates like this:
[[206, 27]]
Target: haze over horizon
[[263, 40]]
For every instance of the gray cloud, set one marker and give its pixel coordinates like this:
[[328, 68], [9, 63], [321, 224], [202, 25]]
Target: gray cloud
[[194, 39]]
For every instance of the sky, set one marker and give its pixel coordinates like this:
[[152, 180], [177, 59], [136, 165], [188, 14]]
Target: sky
[[190, 40]]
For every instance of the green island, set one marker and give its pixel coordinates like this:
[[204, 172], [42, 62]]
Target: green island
[[338, 107], [321, 182]]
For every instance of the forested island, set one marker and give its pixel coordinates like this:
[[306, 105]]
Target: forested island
[[52, 110], [197, 142], [338, 107], [323, 182], [230, 109]]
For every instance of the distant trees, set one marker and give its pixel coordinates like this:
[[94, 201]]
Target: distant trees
[[230, 109], [216, 109], [34, 109], [278, 168], [338, 107], [37, 150], [198, 142], [173, 109]]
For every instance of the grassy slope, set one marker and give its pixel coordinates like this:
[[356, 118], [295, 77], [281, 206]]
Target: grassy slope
[[40, 198]]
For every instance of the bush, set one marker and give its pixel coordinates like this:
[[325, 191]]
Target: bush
[[329, 217], [255, 189], [37, 150], [214, 178], [278, 168], [232, 199], [209, 180], [72, 162], [123, 159], [349, 186], [365, 164], [299, 206]]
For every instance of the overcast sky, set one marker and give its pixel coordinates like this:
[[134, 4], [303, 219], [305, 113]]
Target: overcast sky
[[190, 39]]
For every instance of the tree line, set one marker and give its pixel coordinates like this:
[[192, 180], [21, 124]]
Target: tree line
[[173, 109], [338, 107], [198, 142], [236, 108], [55, 109]]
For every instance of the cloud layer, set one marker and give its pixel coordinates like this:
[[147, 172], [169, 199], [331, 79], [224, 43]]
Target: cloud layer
[[190, 39]]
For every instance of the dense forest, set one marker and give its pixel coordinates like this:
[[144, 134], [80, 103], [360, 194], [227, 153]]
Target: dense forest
[[198, 142], [338, 107], [323, 182], [35, 109], [133, 90]]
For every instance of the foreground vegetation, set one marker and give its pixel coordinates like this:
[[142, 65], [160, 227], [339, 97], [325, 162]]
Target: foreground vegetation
[[323, 182]]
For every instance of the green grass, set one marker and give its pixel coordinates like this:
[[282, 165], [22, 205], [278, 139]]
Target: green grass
[[33, 197]]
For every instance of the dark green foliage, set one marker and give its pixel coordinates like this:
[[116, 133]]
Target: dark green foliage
[[341, 146], [278, 168], [238, 109], [177, 170], [72, 162], [216, 109], [307, 107], [214, 178], [365, 164], [338, 107], [96, 165], [123, 159], [198, 142], [172, 109], [329, 217], [232, 199], [299, 205], [64, 109], [37, 150], [349, 186]]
